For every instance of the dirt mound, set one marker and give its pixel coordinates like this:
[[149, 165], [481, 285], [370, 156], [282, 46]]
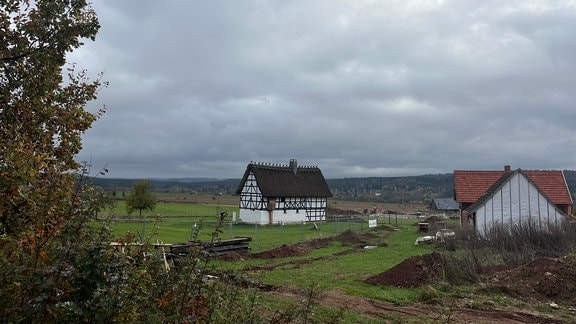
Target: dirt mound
[[490, 271], [319, 242], [412, 272], [542, 279], [384, 228], [351, 238], [283, 251], [348, 238]]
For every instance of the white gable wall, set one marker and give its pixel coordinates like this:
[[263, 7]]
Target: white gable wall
[[518, 201]]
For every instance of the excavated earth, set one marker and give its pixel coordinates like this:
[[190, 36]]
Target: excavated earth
[[543, 281], [549, 279], [412, 272]]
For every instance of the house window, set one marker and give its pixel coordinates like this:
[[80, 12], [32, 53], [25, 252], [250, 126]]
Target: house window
[[283, 199]]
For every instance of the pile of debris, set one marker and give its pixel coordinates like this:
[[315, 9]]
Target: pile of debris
[[441, 236], [212, 248]]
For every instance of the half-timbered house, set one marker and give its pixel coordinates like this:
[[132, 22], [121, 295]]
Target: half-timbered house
[[512, 197], [279, 193]]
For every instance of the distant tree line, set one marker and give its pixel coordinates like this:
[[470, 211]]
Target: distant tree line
[[422, 188], [377, 189]]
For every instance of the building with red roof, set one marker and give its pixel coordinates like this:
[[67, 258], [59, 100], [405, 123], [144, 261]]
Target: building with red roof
[[536, 197]]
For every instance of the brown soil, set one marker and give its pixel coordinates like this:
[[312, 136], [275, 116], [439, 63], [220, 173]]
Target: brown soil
[[347, 238], [545, 279], [356, 241], [412, 272], [415, 313], [283, 251]]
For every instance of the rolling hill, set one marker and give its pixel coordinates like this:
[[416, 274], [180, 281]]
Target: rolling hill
[[420, 188]]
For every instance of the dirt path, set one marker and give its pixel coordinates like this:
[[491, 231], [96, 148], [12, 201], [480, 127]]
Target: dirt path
[[417, 313]]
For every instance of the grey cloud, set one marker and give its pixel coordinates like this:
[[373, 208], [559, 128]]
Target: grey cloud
[[199, 89]]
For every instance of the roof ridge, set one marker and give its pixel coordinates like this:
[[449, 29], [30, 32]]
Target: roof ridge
[[493, 188], [273, 166]]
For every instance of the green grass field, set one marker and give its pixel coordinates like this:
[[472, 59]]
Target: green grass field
[[182, 228], [178, 222], [322, 270], [337, 269], [345, 272], [171, 209]]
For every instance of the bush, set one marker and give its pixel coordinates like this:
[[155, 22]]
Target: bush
[[519, 244], [77, 276], [55, 265], [471, 256]]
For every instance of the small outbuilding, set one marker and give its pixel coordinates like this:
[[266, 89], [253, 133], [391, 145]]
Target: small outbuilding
[[537, 198], [444, 204], [279, 193]]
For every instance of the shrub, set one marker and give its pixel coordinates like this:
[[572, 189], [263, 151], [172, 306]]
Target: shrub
[[77, 276], [471, 256], [521, 243], [55, 266]]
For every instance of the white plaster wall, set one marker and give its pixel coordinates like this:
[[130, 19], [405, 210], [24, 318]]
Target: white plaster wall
[[261, 216], [289, 217], [254, 216], [517, 202]]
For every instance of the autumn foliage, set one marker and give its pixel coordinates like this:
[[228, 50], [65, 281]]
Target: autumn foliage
[[57, 263]]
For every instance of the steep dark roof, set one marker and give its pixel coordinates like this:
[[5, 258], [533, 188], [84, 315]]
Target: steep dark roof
[[277, 180], [445, 204]]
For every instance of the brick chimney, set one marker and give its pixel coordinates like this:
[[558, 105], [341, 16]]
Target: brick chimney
[[293, 165], [506, 168]]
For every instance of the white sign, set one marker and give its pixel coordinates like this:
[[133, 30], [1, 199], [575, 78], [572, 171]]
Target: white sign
[[372, 223]]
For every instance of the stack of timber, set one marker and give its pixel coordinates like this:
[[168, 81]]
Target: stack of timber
[[216, 248]]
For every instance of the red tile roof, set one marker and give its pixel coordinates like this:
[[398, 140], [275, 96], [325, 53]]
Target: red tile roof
[[469, 186]]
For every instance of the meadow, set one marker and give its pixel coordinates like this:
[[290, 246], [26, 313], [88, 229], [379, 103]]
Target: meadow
[[180, 221], [330, 277], [171, 209], [177, 222]]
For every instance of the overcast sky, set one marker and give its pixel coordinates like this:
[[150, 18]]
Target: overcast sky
[[359, 88]]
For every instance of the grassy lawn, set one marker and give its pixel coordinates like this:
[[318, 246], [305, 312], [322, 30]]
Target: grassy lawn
[[178, 222], [172, 209], [181, 228], [344, 272], [336, 269]]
